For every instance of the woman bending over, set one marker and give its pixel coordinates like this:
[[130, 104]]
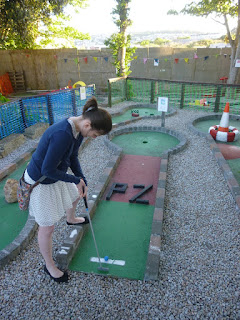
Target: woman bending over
[[59, 192]]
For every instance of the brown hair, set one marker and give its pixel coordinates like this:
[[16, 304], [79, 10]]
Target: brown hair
[[101, 120]]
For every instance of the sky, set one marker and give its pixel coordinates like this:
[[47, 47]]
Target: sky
[[150, 15]]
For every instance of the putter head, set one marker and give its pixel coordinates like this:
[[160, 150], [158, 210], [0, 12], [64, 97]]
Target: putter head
[[103, 269]]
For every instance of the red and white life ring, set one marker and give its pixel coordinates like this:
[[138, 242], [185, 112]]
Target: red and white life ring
[[230, 136]]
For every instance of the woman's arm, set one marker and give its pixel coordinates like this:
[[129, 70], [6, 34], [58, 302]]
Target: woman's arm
[[59, 143], [75, 164]]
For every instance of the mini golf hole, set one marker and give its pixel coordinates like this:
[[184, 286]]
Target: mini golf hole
[[145, 141]]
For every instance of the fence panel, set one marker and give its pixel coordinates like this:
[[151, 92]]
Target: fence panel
[[35, 110], [117, 90], [11, 120], [47, 107], [197, 96]]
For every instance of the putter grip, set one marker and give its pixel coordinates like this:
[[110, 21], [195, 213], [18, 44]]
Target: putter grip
[[85, 200]]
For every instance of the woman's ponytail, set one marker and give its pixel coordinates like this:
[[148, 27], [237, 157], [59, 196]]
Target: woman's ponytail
[[101, 120]]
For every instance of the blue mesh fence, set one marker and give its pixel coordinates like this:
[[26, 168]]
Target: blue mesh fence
[[34, 109], [11, 120], [48, 108]]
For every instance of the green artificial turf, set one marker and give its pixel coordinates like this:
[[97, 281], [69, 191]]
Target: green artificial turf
[[12, 219], [127, 115], [145, 143], [122, 232]]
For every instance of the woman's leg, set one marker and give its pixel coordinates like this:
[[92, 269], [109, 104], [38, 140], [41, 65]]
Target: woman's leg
[[71, 214], [45, 245]]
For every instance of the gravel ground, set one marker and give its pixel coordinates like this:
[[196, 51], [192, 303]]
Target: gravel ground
[[199, 271]]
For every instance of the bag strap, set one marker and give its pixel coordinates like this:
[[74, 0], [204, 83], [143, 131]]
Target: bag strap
[[39, 180], [36, 183]]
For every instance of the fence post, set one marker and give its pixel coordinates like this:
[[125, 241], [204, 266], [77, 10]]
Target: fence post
[[23, 113], [109, 94], [126, 90], [152, 92], [217, 100], [182, 96], [50, 111], [74, 108]]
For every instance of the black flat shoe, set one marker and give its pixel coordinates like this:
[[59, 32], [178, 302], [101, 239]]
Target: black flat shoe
[[86, 221], [63, 278]]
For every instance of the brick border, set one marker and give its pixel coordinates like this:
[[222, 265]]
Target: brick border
[[227, 172], [21, 241], [71, 243]]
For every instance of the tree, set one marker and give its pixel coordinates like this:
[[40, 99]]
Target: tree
[[222, 9], [119, 42], [59, 33], [21, 21]]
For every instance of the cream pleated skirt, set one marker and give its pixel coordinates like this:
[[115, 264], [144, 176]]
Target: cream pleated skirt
[[49, 202]]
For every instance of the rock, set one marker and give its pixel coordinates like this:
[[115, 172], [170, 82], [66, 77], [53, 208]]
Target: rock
[[10, 190], [11, 143], [36, 130]]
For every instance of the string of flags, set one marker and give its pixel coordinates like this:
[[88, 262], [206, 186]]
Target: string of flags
[[85, 59], [176, 60], [156, 61]]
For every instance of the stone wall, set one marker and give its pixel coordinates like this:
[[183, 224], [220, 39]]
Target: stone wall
[[52, 69]]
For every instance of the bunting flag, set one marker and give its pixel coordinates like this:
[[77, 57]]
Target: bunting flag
[[156, 61]]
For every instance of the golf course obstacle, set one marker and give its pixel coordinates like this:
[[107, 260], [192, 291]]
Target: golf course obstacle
[[224, 132], [224, 164]]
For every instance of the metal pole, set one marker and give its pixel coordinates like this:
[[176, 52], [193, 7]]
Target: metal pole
[[163, 119], [23, 113], [218, 97], [109, 94], [50, 112]]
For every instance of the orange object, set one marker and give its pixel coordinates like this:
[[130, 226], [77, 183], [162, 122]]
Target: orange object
[[5, 85], [226, 109], [224, 123]]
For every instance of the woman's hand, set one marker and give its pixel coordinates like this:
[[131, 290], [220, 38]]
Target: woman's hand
[[82, 188]]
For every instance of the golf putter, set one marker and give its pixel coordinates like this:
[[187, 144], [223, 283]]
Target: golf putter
[[100, 268]]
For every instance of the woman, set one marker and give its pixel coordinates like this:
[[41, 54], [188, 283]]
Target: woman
[[58, 191]]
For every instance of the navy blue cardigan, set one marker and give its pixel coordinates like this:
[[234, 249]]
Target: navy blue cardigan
[[56, 152]]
